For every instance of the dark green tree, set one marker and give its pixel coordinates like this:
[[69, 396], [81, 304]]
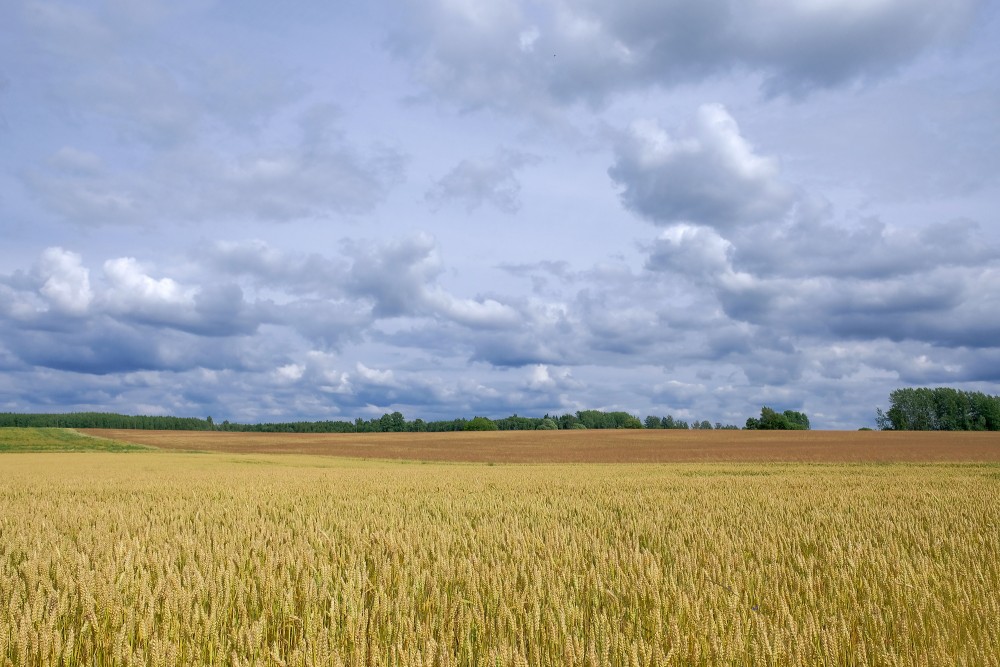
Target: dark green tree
[[480, 424], [770, 420], [939, 409]]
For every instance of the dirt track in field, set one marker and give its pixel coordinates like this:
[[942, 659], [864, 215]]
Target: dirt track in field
[[592, 446]]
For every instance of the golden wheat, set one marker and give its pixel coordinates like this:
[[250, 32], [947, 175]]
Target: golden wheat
[[172, 559]]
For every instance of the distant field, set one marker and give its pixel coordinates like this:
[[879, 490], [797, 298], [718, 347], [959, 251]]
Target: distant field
[[625, 446], [165, 558], [59, 440]]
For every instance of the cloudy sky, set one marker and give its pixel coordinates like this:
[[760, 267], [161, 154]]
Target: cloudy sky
[[268, 211]]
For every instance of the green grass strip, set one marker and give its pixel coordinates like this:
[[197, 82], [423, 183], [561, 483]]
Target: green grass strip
[[13, 439]]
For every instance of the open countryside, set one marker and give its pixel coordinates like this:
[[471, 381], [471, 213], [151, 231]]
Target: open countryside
[[240, 556], [585, 446]]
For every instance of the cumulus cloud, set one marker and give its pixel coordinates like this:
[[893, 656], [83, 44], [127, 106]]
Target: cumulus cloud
[[212, 310], [400, 278], [943, 303], [535, 56], [131, 288], [491, 181], [67, 281], [268, 267], [687, 336], [325, 301], [711, 177], [697, 252], [546, 379], [773, 256], [868, 249]]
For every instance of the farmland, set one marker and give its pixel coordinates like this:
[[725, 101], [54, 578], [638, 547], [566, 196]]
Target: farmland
[[180, 558], [59, 440], [608, 446]]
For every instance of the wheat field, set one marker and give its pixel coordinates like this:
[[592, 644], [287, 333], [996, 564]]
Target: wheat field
[[162, 558], [592, 446]]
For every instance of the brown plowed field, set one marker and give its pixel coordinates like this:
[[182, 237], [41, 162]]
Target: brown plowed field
[[592, 446]]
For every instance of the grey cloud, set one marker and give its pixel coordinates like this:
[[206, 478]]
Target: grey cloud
[[189, 132], [58, 283], [400, 278], [644, 334], [394, 275], [869, 250], [321, 177], [245, 93], [78, 186], [328, 323], [698, 253], [709, 177], [91, 66], [627, 328], [919, 363], [536, 56], [144, 102], [311, 179], [327, 303], [774, 256], [550, 380], [369, 281], [542, 276], [945, 303], [820, 46], [523, 349], [772, 364], [378, 387], [210, 310], [268, 267], [106, 347], [492, 181]]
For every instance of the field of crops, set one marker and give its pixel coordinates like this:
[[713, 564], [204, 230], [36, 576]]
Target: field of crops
[[597, 446], [162, 558]]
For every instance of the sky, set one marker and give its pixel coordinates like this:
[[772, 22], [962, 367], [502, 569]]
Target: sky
[[266, 211]]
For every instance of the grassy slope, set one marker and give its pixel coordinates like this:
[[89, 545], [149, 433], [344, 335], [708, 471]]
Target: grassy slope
[[59, 440]]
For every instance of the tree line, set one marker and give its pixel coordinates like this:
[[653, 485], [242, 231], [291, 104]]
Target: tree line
[[939, 409], [393, 422], [106, 420], [911, 409]]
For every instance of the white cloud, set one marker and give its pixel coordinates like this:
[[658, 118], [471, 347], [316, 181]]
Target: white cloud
[[131, 287], [487, 313], [540, 378], [67, 281], [289, 373], [546, 378], [697, 252], [712, 177], [375, 376], [400, 278]]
